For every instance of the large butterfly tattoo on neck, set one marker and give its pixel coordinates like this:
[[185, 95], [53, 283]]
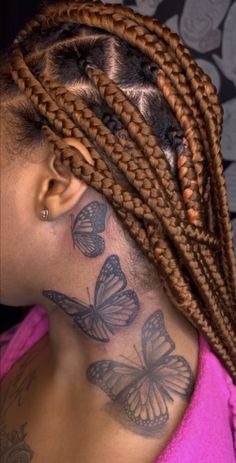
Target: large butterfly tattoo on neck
[[141, 393], [86, 228], [113, 307]]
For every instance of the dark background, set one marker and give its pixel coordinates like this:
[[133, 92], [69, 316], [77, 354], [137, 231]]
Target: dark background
[[207, 28]]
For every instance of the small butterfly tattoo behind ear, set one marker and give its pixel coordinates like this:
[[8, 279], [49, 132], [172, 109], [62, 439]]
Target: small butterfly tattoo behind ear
[[86, 228]]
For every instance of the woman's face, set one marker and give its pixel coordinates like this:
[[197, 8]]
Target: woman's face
[[20, 230], [36, 254], [28, 245]]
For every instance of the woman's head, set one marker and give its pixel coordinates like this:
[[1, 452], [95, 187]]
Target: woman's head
[[25, 154], [147, 123]]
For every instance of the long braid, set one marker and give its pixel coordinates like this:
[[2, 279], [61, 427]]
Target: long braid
[[163, 219], [145, 143], [112, 20], [159, 246], [126, 160], [182, 297], [107, 139]]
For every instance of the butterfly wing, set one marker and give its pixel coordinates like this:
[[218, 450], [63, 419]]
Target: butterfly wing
[[111, 280], [89, 222], [119, 310], [82, 314], [156, 342], [145, 404], [70, 305], [91, 218], [93, 326], [90, 244], [173, 375], [133, 391], [112, 377]]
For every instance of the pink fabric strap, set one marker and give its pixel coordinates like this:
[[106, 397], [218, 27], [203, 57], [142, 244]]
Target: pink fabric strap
[[14, 346]]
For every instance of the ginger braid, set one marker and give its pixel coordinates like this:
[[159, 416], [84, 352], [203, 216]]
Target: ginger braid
[[170, 198], [83, 171], [168, 219], [139, 36], [93, 125]]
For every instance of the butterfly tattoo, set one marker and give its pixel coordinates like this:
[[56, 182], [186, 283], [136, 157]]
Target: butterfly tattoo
[[114, 306], [141, 393], [86, 228]]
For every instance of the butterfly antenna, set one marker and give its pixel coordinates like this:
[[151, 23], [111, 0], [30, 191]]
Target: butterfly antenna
[[139, 356], [131, 361], [89, 298]]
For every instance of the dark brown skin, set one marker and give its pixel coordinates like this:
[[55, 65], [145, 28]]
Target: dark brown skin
[[67, 416]]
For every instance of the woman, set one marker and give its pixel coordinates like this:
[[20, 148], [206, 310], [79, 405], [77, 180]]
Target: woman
[[116, 234]]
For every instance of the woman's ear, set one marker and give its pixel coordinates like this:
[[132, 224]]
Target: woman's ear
[[60, 192]]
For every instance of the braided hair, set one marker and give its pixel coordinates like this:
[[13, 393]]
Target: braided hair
[[128, 89]]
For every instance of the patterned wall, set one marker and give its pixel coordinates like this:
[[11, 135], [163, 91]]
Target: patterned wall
[[208, 27]]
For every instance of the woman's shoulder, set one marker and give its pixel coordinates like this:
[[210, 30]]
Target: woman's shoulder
[[15, 342]]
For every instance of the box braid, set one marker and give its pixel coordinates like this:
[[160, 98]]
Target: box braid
[[175, 208]]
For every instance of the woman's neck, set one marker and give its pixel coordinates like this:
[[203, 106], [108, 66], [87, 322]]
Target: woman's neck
[[152, 361]]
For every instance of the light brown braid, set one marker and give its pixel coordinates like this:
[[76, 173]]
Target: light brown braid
[[169, 219]]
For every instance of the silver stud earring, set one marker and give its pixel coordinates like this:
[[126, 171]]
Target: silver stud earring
[[44, 214]]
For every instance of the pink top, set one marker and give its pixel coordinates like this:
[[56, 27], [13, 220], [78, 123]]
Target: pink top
[[207, 432]]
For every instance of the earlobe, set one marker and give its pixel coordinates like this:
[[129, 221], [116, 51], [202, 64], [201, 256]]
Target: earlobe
[[61, 197], [60, 192]]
